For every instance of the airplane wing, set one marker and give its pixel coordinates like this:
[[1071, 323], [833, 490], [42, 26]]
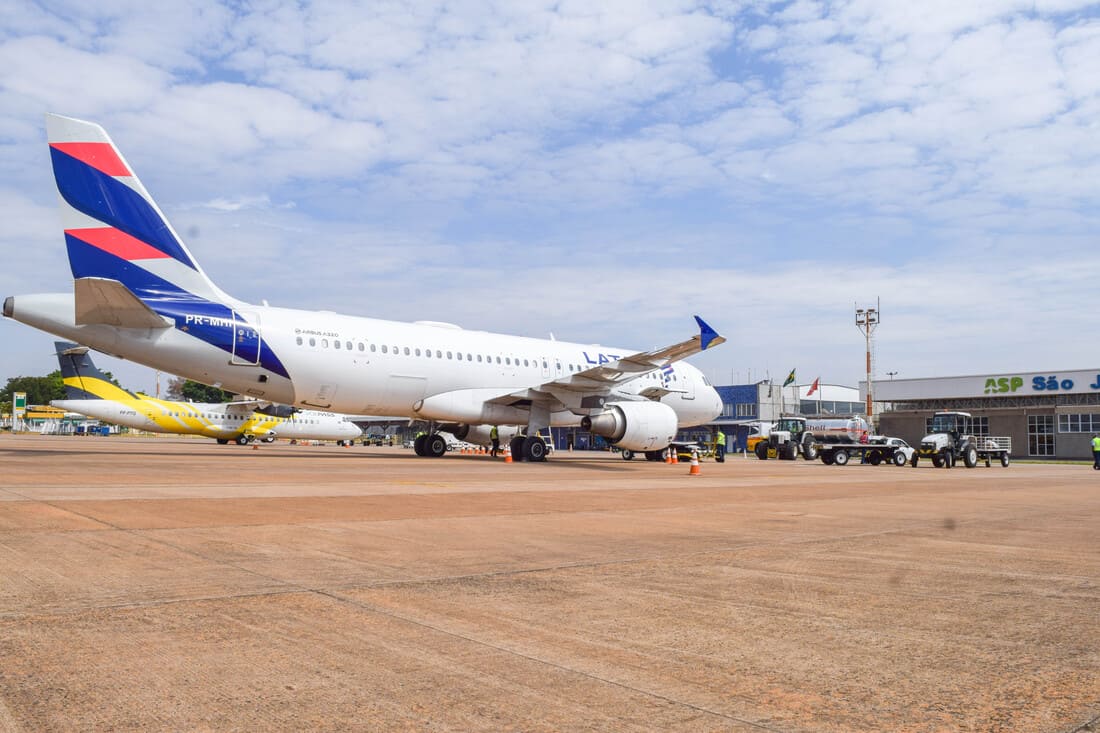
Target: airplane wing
[[588, 387]]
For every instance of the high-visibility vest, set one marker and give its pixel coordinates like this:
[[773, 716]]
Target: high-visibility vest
[[493, 433], [721, 438], [1096, 443]]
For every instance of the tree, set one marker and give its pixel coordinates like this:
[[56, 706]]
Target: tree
[[40, 390], [184, 389]]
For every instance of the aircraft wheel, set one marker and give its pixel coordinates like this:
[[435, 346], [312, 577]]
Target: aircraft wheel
[[899, 459], [841, 458], [418, 445], [435, 445], [516, 447], [628, 455], [222, 441], [534, 449], [241, 440]]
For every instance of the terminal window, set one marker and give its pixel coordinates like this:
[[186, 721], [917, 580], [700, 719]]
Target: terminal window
[[1079, 423], [1040, 435]]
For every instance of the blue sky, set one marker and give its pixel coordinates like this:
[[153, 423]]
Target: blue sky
[[601, 173]]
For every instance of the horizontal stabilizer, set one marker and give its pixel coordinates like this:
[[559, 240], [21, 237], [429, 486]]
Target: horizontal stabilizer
[[110, 303]]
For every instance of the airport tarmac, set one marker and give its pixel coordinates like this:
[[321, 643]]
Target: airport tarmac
[[175, 584]]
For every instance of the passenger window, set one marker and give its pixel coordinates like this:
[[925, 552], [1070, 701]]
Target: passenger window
[[373, 347], [508, 360], [385, 349], [348, 344], [299, 339], [336, 344], [312, 341], [418, 352], [449, 355], [324, 343], [469, 357], [498, 360], [406, 351], [428, 353], [361, 346], [438, 354], [459, 356]]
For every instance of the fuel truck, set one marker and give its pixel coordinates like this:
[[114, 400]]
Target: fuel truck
[[810, 437]]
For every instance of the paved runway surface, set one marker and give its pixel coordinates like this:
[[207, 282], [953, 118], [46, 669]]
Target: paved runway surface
[[174, 584]]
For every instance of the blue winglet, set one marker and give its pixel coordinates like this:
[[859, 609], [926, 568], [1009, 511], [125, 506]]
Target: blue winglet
[[706, 333]]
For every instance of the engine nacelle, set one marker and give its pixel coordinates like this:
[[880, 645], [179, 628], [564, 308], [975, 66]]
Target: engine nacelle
[[479, 434], [636, 426]]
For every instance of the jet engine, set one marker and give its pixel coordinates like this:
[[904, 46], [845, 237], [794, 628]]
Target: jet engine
[[636, 426]]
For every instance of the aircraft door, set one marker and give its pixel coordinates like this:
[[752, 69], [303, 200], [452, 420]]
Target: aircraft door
[[246, 339]]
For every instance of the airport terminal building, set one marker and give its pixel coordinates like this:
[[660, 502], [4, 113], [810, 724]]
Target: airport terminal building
[[1047, 414]]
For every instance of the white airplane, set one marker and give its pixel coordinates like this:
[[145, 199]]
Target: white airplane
[[88, 391], [140, 294]]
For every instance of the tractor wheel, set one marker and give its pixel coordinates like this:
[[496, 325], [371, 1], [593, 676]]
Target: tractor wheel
[[937, 460], [1004, 459], [970, 457], [899, 458], [762, 451]]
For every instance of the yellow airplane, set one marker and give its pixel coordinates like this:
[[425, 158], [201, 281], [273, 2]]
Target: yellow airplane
[[89, 392]]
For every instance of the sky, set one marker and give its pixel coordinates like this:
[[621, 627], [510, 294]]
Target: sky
[[599, 171]]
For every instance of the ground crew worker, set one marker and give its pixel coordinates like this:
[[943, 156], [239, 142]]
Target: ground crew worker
[[494, 435], [720, 447], [1096, 451]]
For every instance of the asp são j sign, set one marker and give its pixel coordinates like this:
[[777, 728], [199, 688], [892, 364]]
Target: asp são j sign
[[1042, 383]]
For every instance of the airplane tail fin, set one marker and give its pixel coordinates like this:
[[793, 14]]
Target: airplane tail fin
[[83, 380], [113, 228]]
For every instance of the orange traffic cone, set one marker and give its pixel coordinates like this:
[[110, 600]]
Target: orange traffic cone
[[675, 457], [507, 454], [694, 464], [668, 456]]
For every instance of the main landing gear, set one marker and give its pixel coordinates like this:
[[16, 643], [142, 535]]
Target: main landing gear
[[431, 444], [528, 448]]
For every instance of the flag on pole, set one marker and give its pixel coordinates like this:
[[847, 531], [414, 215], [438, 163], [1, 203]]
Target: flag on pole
[[813, 387], [790, 379]]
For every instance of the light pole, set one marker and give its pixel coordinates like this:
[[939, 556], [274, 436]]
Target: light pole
[[891, 375], [866, 321]]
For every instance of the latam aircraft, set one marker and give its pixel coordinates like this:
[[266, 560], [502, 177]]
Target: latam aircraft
[[88, 391], [139, 294]]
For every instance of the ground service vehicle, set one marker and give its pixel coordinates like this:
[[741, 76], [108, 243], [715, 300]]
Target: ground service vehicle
[[811, 437], [951, 439]]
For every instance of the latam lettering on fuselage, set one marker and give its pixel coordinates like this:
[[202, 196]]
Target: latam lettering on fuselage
[[140, 294]]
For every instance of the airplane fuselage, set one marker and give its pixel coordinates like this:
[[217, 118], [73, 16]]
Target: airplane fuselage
[[360, 365]]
